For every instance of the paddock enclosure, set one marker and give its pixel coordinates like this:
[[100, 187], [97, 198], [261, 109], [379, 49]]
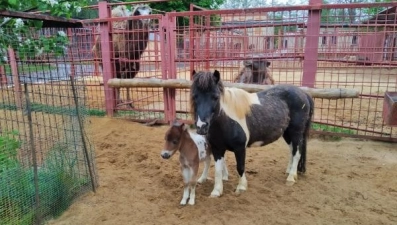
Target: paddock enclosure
[[348, 46], [347, 182], [330, 48]]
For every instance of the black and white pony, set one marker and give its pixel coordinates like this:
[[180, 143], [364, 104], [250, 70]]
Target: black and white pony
[[233, 119]]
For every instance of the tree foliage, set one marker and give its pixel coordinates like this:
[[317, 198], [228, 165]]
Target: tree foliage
[[21, 34]]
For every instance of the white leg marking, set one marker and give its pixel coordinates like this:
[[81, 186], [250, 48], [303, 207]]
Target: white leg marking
[[199, 122], [186, 177], [218, 186], [204, 175], [192, 194], [290, 158], [242, 184], [293, 175], [225, 174]]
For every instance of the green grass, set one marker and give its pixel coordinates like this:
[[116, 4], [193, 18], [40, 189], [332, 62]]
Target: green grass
[[26, 68], [37, 107], [332, 129], [58, 181]]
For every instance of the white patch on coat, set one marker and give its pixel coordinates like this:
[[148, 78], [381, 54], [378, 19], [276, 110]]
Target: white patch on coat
[[199, 122], [253, 99], [201, 144]]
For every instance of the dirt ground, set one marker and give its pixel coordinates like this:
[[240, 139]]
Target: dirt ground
[[347, 182]]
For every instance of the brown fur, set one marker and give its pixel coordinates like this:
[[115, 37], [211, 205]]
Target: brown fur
[[247, 73], [177, 138]]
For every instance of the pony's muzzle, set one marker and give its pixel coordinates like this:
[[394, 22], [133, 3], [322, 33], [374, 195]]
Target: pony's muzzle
[[203, 130], [165, 154]]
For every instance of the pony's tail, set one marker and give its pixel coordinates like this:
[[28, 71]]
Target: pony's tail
[[302, 160]]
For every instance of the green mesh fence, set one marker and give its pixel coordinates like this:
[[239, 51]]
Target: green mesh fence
[[46, 158]]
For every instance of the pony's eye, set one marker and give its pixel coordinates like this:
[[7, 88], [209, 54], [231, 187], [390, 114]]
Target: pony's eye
[[174, 142], [215, 97]]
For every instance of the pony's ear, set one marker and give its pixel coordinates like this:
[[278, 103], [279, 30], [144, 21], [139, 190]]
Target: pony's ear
[[193, 73], [267, 63], [217, 76], [176, 123], [184, 126]]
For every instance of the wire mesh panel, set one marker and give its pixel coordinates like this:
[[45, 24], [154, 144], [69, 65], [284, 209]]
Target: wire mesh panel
[[356, 50], [46, 159], [232, 40], [339, 46]]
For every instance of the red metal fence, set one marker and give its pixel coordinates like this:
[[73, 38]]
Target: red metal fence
[[323, 46]]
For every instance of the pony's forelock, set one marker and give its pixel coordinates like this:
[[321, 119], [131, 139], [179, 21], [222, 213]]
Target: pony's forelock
[[205, 81]]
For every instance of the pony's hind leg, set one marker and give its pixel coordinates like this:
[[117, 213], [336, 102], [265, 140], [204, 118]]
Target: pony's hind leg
[[296, 155], [240, 159], [192, 184], [289, 142], [204, 175]]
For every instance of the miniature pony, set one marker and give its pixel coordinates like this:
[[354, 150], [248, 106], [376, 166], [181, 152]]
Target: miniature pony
[[193, 149]]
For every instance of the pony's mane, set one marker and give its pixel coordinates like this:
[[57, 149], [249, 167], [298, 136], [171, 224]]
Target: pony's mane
[[205, 81], [235, 101]]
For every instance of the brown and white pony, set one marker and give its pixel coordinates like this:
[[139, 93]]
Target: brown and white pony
[[193, 149]]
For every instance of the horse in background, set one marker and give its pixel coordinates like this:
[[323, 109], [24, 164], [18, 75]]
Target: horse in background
[[255, 71], [233, 119], [127, 46], [193, 149]]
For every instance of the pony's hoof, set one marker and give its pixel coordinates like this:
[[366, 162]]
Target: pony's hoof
[[201, 180], [215, 194], [290, 183], [240, 190], [191, 201], [183, 202]]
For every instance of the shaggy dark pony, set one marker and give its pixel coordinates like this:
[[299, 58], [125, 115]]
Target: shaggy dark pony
[[130, 45], [255, 72], [233, 119]]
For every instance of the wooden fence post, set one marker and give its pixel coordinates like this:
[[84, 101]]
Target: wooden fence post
[[15, 78]]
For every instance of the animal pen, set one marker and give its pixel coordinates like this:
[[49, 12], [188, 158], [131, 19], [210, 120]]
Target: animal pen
[[335, 47], [344, 54]]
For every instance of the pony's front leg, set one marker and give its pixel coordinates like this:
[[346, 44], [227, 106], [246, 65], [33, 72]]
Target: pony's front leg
[[218, 184], [240, 159], [186, 173], [225, 174], [296, 155], [204, 175]]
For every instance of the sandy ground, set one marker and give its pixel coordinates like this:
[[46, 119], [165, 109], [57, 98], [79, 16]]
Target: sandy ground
[[347, 182]]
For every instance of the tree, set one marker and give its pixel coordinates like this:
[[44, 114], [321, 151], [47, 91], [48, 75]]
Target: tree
[[18, 33]]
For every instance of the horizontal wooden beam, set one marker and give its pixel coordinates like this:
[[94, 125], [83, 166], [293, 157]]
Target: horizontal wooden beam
[[326, 93], [48, 21]]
